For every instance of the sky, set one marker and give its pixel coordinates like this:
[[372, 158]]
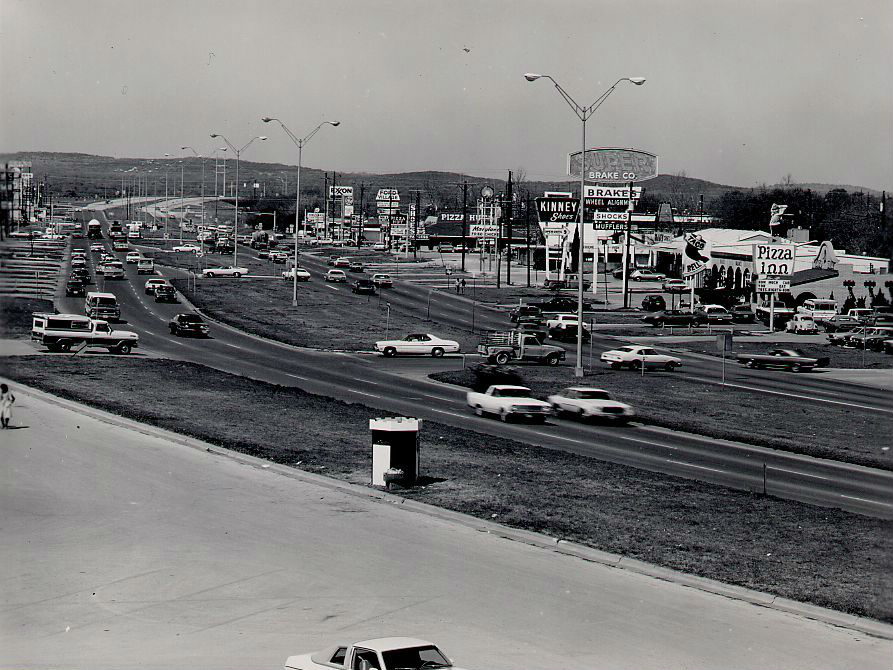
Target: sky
[[740, 93]]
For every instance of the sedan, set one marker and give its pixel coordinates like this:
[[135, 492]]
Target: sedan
[[342, 262], [669, 317], [674, 285], [590, 403], [187, 248], [382, 280], [336, 276], [133, 257], [278, 256], [636, 356], [646, 275], [151, 284], [363, 286], [189, 324], [561, 320], [302, 274], [97, 246], [228, 271], [423, 344], [165, 293], [356, 266]]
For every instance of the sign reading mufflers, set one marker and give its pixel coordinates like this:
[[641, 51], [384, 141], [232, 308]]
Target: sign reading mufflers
[[557, 210], [613, 166]]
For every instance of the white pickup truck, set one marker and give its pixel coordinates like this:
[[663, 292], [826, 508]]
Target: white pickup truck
[[64, 332], [509, 402], [387, 653]]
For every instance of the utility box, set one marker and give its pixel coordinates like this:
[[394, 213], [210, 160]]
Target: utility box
[[395, 444]]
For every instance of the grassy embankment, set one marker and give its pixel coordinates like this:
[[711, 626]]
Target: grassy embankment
[[16, 315], [822, 556], [728, 413]]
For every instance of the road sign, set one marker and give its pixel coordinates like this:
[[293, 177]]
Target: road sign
[[773, 259], [724, 342], [613, 166], [557, 210], [773, 285]]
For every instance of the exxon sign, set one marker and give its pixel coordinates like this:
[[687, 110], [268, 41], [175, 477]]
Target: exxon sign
[[557, 210], [614, 166]]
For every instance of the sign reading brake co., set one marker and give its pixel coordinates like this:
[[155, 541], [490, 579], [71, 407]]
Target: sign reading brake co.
[[613, 166], [557, 210]]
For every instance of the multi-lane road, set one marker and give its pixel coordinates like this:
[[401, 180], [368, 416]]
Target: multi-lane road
[[401, 386]]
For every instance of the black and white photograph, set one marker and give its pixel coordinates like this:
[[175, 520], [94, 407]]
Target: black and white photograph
[[419, 334]]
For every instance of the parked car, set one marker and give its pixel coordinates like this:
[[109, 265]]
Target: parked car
[[364, 286], [784, 359], [873, 339], [393, 653], [302, 273], [535, 328], [187, 248], [634, 356], [888, 346], [647, 275], [801, 324], [559, 303], [840, 337], [418, 344], [674, 285], [189, 324], [782, 312], [839, 323], [382, 280], [133, 257], [446, 248], [712, 314], [228, 271], [743, 314], [653, 303], [151, 284], [590, 403], [670, 317]]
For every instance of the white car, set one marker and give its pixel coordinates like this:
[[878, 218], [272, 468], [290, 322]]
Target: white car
[[674, 285], [302, 273], [132, 257], [187, 248], [151, 284], [228, 271], [379, 246], [97, 246], [563, 320], [382, 280], [633, 356], [336, 276], [647, 275], [590, 403], [423, 344]]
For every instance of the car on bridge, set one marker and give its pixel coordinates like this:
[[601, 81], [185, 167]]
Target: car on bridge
[[584, 402], [674, 285], [418, 344], [635, 357], [226, 271]]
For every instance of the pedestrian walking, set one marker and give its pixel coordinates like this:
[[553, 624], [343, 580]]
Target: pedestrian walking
[[463, 285], [458, 287], [6, 400]]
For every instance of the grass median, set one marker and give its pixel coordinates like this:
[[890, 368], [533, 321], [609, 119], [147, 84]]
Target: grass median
[[823, 556], [672, 401]]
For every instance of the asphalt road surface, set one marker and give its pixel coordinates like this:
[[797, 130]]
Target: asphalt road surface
[[385, 384], [125, 550]]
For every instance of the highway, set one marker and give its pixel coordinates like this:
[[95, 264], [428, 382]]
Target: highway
[[398, 386]]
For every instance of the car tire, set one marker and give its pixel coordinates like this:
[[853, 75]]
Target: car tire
[[669, 366], [123, 348], [389, 352], [478, 410], [751, 364], [63, 346], [615, 365], [437, 352], [210, 275], [501, 358], [237, 274], [659, 324], [796, 367], [553, 359], [503, 416]]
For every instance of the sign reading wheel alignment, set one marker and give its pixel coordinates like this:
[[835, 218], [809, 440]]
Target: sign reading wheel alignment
[[773, 259]]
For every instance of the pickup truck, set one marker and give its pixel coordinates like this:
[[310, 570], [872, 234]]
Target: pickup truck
[[782, 359], [509, 402], [502, 347], [388, 653], [63, 332], [782, 313]]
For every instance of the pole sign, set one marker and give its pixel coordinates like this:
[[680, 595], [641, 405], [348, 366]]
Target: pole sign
[[339, 191], [611, 192], [695, 256], [612, 165], [387, 195], [773, 285], [557, 210], [773, 259]]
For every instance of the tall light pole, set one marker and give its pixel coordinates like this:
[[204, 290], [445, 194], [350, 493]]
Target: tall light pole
[[299, 142], [198, 155], [166, 213], [238, 153], [216, 192], [583, 113]]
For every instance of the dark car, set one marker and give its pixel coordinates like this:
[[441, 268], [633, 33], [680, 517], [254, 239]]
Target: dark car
[[366, 286], [568, 333], [355, 266], [533, 328], [559, 303], [840, 323], [189, 324], [569, 282], [332, 259], [165, 293], [653, 303], [525, 313], [75, 288], [670, 317], [743, 314]]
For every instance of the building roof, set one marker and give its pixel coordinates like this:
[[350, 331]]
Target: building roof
[[812, 275]]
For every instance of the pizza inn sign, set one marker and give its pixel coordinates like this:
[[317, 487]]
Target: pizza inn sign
[[613, 166]]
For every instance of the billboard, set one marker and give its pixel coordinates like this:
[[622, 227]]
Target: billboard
[[557, 210], [613, 165], [695, 256]]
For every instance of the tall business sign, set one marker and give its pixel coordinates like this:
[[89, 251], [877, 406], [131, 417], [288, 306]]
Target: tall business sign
[[613, 165]]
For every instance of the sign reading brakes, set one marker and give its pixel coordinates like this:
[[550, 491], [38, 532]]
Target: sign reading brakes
[[557, 210], [613, 166]]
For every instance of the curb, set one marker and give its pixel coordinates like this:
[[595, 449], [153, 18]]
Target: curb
[[530, 538]]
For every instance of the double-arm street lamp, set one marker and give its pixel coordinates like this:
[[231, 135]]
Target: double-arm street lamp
[[299, 142], [583, 113], [198, 155], [238, 153]]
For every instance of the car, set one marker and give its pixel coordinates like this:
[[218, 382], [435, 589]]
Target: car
[[446, 248], [382, 280], [332, 259], [392, 653], [96, 247], [617, 273], [278, 256], [840, 323], [227, 271], [111, 269], [653, 303], [165, 293], [541, 332], [118, 245], [366, 286], [379, 246], [646, 275], [187, 248], [525, 313], [78, 262], [783, 359], [151, 284], [342, 262], [669, 317], [189, 324], [873, 339], [888, 346], [263, 253], [75, 288], [560, 303], [584, 402], [356, 266], [78, 253], [419, 344], [336, 276], [561, 320], [712, 314], [133, 257], [568, 333], [674, 285], [302, 274], [801, 324], [636, 356], [743, 314]]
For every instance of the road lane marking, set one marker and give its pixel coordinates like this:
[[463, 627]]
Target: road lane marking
[[796, 472], [873, 502], [692, 465], [371, 395]]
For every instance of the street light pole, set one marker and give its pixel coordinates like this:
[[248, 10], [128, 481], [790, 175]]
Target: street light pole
[[299, 142], [198, 155], [238, 153], [583, 113]]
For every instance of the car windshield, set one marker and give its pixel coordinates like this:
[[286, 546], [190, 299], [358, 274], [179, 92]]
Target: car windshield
[[190, 318], [106, 301], [593, 395], [414, 658], [627, 349], [513, 393]]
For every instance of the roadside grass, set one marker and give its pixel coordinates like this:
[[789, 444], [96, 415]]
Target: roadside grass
[[841, 357], [671, 401], [823, 556], [15, 315]]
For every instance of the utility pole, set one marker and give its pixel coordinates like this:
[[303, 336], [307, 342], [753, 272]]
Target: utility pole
[[508, 219], [527, 237], [360, 224], [325, 194], [464, 220], [629, 218], [415, 225]]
